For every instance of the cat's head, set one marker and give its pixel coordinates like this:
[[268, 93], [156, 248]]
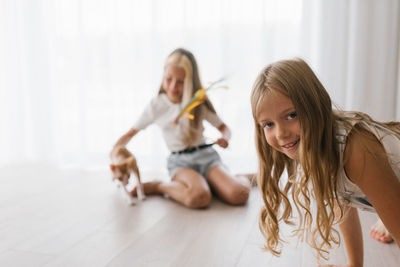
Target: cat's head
[[120, 172]]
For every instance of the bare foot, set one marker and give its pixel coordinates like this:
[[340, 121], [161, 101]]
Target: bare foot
[[379, 232], [149, 188]]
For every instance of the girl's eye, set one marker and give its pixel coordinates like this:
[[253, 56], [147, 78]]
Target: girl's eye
[[268, 125], [180, 82], [292, 115]]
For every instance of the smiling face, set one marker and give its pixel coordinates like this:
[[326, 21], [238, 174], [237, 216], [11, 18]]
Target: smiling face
[[278, 118], [173, 83]]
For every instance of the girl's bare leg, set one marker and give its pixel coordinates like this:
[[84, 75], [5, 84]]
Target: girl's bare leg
[[149, 188], [233, 190], [379, 232], [188, 187]]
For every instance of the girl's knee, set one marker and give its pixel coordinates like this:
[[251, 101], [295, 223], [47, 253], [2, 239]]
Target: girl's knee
[[238, 195], [197, 200]]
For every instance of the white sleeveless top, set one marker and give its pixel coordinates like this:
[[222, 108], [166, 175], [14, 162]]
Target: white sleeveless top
[[349, 192]]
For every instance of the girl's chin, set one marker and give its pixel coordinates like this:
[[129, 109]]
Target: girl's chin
[[175, 99], [292, 154]]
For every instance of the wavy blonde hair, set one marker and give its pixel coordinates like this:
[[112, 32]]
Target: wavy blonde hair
[[184, 59], [314, 174]]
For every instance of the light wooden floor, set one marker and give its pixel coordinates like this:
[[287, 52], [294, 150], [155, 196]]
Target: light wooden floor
[[50, 217]]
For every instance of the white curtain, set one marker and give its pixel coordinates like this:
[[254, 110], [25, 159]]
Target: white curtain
[[75, 74], [354, 45]]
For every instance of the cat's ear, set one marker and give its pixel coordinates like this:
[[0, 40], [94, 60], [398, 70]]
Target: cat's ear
[[112, 167]]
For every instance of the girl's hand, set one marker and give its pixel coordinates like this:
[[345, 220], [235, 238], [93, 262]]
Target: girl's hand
[[226, 135], [222, 142]]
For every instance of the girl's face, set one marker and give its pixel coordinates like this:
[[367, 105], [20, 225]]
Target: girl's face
[[173, 82], [280, 123]]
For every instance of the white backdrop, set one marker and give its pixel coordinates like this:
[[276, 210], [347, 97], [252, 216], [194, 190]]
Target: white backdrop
[[354, 46], [75, 74]]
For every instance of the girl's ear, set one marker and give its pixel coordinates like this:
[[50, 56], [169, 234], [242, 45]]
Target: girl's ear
[[112, 167]]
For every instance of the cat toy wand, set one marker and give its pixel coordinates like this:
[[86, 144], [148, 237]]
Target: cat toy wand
[[198, 98]]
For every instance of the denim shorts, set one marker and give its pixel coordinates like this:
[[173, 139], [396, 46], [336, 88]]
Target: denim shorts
[[200, 161]]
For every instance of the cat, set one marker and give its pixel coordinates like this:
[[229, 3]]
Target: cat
[[123, 164]]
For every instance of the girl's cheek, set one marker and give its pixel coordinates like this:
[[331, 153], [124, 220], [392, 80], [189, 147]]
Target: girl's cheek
[[268, 138], [270, 144], [265, 136]]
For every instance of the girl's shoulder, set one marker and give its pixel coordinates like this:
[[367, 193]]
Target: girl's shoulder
[[157, 106], [361, 138], [367, 143]]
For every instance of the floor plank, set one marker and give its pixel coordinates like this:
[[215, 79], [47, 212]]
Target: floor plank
[[23, 258]]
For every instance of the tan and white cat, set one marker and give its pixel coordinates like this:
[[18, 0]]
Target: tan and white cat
[[123, 164]]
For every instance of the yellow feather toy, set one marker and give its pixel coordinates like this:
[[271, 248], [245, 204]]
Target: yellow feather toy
[[198, 98]]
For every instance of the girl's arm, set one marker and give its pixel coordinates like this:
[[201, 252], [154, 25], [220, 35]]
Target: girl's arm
[[226, 135], [369, 168], [351, 230], [124, 140]]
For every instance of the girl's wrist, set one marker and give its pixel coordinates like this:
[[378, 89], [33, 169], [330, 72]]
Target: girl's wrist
[[355, 264]]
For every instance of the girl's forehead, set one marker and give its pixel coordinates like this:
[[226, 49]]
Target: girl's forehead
[[273, 101], [174, 70]]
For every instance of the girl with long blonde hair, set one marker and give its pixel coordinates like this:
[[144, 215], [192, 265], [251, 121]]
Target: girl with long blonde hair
[[335, 161], [195, 168]]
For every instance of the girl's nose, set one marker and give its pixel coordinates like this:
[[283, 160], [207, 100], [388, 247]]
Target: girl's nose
[[174, 84], [282, 132]]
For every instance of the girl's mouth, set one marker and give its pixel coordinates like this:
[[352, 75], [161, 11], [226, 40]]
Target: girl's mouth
[[292, 145]]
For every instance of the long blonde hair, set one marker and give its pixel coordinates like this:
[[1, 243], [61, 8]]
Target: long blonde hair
[[184, 59], [314, 174]]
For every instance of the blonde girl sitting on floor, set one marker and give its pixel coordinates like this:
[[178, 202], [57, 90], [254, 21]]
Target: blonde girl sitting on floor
[[340, 160], [195, 168]]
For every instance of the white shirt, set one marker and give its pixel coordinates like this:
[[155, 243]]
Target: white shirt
[[163, 112]]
